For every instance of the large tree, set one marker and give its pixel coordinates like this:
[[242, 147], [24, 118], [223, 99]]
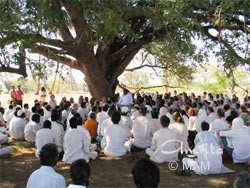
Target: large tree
[[101, 37]]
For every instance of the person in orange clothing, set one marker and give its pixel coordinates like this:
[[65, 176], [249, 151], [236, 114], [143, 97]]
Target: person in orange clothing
[[91, 125]]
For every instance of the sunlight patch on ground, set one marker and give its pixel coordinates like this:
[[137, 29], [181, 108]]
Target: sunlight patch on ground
[[218, 182], [7, 184]]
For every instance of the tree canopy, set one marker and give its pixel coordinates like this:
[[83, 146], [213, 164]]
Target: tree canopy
[[101, 37]]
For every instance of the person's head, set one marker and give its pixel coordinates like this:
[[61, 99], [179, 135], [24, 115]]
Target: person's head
[[210, 109], [73, 122], [164, 121], [80, 172], [191, 112], [48, 155], [204, 126], [154, 114], [34, 109], [52, 97], [105, 107], [116, 117], [220, 113], [177, 117], [47, 124], [146, 174], [83, 104], [35, 118], [40, 112], [125, 91], [92, 115], [19, 87], [124, 110], [43, 89], [143, 110], [21, 114], [26, 106], [54, 116], [242, 181]]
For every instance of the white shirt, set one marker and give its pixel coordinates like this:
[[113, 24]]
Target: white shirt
[[126, 99], [191, 123], [142, 131], [113, 141], [83, 113], [59, 134], [27, 113], [101, 127], [163, 111], [208, 152], [159, 138], [75, 186], [126, 123], [101, 116], [156, 124], [239, 138], [52, 103], [30, 131], [17, 126], [218, 125], [46, 177], [65, 114], [182, 134], [210, 118], [43, 137], [73, 146]]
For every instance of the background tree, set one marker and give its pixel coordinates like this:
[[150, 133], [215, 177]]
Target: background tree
[[100, 38]]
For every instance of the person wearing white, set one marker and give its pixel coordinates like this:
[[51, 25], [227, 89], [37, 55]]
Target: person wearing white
[[202, 115], [238, 140], [53, 102], [126, 122], [82, 110], [126, 99], [156, 124], [27, 111], [208, 153], [181, 131], [44, 136], [114, 138], [142, 130], [101, 116], [65, 113], [210, 115], [73, 111], [31, 128], [135, 112], [164, 140], [17, 125], [219, 124], [57, 128], [74, 146], [46, 176]]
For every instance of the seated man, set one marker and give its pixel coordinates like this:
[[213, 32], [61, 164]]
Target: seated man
[[44, 136], [236, 141], [146, 174], [74, 145], [114, 138], [207, 151], [163, 141], [142, 130], [31, 128], [79, 173], [46, 176], [17, 125]]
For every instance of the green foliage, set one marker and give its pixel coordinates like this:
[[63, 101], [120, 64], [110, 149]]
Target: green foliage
[[135, 80]]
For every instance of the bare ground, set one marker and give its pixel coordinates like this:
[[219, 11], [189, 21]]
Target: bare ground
[[105, 171]]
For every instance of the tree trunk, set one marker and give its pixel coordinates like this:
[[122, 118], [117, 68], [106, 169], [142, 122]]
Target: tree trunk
[[99, 86], [4, 88], [38, 85]]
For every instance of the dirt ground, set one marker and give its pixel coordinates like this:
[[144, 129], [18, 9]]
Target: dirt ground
[[105, 171]]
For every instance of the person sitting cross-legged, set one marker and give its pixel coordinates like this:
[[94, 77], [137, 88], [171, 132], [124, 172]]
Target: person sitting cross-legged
[[114, 138], [79, 173], [46, 176], [164, 145]]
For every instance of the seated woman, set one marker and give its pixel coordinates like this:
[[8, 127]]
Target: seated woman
[[207, 157], [236, 141]]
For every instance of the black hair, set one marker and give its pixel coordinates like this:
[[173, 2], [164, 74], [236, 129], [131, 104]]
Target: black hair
[[54, 116], [49, 155], [35, 118], [143, 110], [116, 117], [40, 112], [47, 124], [146, 174], [204, 126], [26, 105], [164, 121], [154, 114], [92, 115], [73, 122], [34, 109], [80, 172]]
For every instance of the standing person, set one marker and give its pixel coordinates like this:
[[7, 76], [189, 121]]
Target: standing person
[[12, 94], [53, 102], [19, 95], [43, 95], [126, 99], [46, 176]]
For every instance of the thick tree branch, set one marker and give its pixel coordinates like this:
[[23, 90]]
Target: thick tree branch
[[14, 70], [63, 27]]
